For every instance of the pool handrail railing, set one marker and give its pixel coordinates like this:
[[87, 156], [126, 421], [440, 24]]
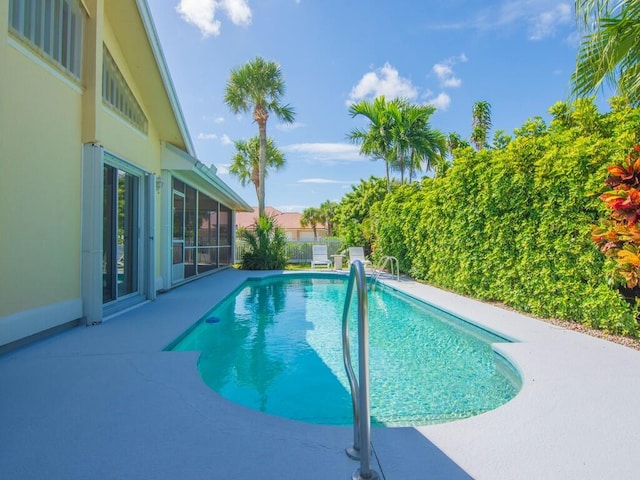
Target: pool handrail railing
[[361, 449], [378, 269]]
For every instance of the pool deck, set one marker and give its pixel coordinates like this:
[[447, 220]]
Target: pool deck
[[106, 402]]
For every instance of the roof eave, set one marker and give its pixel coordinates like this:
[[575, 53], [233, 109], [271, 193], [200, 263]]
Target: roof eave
[[152, 35]]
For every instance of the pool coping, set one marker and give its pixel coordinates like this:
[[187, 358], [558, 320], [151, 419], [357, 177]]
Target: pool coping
[[107, 402]]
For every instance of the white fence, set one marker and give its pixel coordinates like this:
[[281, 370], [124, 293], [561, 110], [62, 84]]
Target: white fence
[[298, 252]]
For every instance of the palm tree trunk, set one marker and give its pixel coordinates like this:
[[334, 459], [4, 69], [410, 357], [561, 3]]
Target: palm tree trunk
[[262, 129]]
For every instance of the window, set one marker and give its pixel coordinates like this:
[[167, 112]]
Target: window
[[117, 94], [53, 28]]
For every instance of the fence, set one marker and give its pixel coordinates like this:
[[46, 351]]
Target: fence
[[298, 252]]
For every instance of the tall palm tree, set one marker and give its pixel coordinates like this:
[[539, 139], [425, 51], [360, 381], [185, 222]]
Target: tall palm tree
[[610, 49], [375, 140], [480, 123], [311, 217], [246, 161], [257, 87]]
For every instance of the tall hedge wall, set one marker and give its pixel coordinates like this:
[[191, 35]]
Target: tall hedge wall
[[513, 224]]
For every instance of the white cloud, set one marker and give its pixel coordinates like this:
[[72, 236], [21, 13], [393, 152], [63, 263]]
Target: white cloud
[[444, 71], [325, 152], [237, 10], [202, 14], [541, 18], [207, 136], [383, 81], [222, 168], [218, 120], [224, 138], [546, 23], [287, 127], [441, 102]]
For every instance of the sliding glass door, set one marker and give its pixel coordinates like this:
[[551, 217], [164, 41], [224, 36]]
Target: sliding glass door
[[120, 234]]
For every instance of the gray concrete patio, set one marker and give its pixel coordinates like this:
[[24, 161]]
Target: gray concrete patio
[[106, 402]]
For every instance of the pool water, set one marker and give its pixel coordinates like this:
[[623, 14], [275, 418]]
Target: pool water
[[275, 345]]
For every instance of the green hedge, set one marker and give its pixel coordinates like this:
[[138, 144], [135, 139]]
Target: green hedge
[[513, 224]]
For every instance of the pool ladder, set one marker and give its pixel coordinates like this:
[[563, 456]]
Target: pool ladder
[[381, 265], [361, 448]]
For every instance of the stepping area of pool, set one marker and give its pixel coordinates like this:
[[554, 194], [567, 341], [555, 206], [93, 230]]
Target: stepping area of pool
[[106, 402]]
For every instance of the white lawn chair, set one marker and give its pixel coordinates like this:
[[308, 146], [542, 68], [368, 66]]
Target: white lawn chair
[[320, 256], [357, 253]]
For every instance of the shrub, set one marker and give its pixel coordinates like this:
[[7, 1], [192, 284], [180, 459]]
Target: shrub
[[514, 224], [266, 246]]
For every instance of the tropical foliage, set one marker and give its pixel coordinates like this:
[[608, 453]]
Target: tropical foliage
[[246, 161], [400, 134], [610, 49], [353, 215], [619, 236], [512, 224], [257, 88], [311, 217], [266, 244], [480, 124]]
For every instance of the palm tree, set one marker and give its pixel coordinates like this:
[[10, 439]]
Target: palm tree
[[327, 214], [610, 49], [376, 140], [245, 163], [427, 146], [257, 87], [311, 217], [480, 123]]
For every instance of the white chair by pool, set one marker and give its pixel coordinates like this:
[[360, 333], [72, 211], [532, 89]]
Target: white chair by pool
[[320, 256], [357, 253]]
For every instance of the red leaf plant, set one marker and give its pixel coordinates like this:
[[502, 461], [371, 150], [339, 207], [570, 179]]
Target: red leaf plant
[[619, 236]]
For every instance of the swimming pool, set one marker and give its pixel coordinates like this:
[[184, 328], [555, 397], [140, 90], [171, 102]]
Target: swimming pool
[[275, 345]]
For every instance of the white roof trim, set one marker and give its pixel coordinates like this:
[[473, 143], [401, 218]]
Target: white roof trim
[[180, 161], [152, 34]]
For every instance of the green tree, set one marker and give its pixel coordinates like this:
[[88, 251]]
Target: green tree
[[327, 214], [246, 161], [374, 141], [480, 123], [311, 217], [412, 139], [257, 88], [353, 219], [610, 48]]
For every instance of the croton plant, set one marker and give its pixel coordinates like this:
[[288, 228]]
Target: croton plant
[[619, 236]]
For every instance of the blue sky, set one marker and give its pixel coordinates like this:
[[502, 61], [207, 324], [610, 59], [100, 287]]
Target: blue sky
[[517, 55]]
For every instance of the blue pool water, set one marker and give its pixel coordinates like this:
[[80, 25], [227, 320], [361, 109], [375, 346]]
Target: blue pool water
[[275, 346]]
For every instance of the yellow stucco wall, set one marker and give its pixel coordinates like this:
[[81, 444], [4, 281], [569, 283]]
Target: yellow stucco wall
[[41, 157]]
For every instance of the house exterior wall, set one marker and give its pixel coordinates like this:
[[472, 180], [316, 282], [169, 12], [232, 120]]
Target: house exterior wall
[[40, 155], [48, 123]]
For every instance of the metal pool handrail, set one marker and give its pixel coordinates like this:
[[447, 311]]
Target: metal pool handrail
[[379, 268], [361, 448]]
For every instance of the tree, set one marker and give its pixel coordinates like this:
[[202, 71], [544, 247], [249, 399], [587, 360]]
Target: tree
[[328, 213], [311, 217], [610, 48], [480, 123], [376, 140], [245, 163], [399, 133], [257, 87]]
